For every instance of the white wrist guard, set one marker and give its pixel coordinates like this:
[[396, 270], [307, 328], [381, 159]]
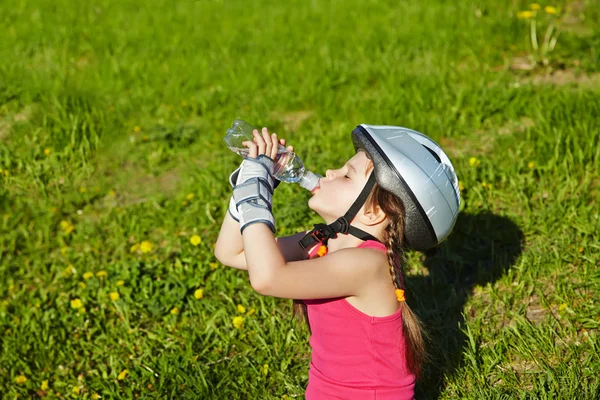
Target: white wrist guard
[[253, 192]]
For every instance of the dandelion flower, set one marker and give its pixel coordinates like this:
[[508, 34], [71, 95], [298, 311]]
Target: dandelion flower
[[112, 193], [21, 379], [83, 189], [580, 249], [101, 274], [213, 265], [562, 307], [44, 385], [120, 283], [76, 390], [76, 303], [95, 396], [137, 129], [82, 285], [47, 151], [88, 275], [238, 322], [199, 293], [550, 10], [473, 161], [265, 369], [114, 296], [241, 309], [530, 165], [461, 186], [175, 310], [190, 196], [252, 311], [146, 246], [525, 14], [134, 248], [534, 6], [195, 240], [122, 375]]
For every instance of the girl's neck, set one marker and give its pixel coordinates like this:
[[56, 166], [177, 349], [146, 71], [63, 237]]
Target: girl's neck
[[343, 242]]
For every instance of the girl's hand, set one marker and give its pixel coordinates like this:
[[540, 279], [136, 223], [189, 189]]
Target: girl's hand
[[265, 144]]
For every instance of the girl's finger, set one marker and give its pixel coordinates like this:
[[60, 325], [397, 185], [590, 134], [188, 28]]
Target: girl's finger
[[268, 144], [260, 142], [290, 148], [275, 147]]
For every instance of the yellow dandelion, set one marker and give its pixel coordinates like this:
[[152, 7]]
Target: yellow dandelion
[[580, 249], [530, 165], [213, 265], [525, 14], [550, 10], [68, 271], [21, 379], [473, 161], [175, 310], [134, 248], [82, 285], [88, 275], [534, 6], [83, 189], [120, 283], [102, 274], [199, 293], [265, 369], [76, 390], [44, 385], [112, 193], [76, 303], [137, 129], [82, 310], [241, 309], [47, 151], [461, 186], [238, 322], [195, 240], [146, 246], [114, 296], [562, 307], [190, 196], [122, 375], [252, 311], [95, 396]]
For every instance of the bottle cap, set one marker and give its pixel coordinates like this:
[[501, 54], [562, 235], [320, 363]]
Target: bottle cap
[[310, 181]]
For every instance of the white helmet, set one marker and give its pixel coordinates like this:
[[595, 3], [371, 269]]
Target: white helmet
[[414, 168]]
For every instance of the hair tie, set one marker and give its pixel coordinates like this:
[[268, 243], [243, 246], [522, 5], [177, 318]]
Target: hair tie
[[400, 295]]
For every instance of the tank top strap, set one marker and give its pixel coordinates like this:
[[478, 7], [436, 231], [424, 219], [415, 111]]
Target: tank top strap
[[373, 244]]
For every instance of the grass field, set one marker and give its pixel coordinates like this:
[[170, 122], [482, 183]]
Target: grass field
[[113, 185]]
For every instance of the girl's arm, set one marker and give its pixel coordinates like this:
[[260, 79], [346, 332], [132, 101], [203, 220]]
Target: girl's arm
[[346, 272], [229, 249]]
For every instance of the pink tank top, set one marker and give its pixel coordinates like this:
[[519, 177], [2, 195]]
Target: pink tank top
[[354, 355]]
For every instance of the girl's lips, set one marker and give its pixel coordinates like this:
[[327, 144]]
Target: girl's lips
[[316, 188]]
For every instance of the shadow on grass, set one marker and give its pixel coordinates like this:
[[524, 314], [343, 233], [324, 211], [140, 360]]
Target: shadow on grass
[[480, 250]]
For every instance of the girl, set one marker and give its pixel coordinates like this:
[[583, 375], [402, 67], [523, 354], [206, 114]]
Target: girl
[[399, 190]]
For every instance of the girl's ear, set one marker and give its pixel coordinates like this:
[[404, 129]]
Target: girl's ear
[[372, 217]]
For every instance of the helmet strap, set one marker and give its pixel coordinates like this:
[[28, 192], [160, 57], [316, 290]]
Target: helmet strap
[[321, 233]]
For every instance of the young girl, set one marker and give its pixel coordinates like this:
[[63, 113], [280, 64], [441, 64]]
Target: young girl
[[398, 191]]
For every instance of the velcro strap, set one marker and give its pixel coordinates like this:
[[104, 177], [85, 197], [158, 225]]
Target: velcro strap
[[253, 213], [254, 189]]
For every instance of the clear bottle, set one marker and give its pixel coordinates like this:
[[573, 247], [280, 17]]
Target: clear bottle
[[288, 166]]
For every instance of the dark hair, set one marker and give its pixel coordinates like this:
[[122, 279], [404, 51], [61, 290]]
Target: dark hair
[[393, 239]]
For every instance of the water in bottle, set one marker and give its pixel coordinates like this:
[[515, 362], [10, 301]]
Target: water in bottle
[[288, 166]]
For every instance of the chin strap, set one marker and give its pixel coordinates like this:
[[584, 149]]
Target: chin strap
[[321, 233]]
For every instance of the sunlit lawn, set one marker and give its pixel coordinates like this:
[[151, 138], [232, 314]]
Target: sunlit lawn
[[114, 182]]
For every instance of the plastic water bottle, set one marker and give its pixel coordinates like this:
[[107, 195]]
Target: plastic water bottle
[[288, 166]]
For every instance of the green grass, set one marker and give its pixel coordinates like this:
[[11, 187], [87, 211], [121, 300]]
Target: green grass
[[131, 100]]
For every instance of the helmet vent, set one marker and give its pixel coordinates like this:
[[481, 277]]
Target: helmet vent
[[433, 153]]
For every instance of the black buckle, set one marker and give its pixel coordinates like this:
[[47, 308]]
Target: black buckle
[[344, 225], [318, 233]]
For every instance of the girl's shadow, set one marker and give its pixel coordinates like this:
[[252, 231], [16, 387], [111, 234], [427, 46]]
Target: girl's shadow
[[480, 249]]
